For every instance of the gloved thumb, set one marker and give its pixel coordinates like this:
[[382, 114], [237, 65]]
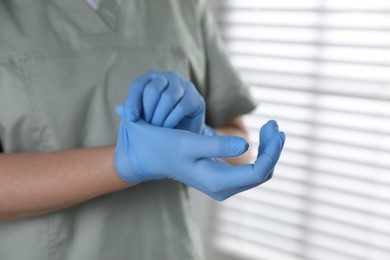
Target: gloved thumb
[[217, 146], [131, 115], [119, 110]]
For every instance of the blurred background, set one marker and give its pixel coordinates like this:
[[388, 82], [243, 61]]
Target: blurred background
[[321, 68]]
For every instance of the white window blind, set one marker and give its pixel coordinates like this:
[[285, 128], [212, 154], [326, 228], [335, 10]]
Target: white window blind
[[321, 69]]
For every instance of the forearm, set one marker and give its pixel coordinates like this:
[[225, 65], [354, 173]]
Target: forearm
[[40, 183]]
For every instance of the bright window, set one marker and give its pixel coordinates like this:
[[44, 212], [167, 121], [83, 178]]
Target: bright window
[[321, 69]]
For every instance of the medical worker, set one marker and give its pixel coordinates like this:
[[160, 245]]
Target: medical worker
[[108, 111]]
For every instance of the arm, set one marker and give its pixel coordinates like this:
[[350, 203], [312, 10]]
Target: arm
[[39, 183]]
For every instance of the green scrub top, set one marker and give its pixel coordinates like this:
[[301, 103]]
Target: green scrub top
[[63, 68]]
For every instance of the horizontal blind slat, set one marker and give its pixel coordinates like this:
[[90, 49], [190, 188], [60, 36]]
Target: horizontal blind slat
[[260, 39], [313, 5], [321, 69], [309, 35]]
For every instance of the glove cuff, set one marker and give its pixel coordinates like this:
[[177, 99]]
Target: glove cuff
[[125, 160]]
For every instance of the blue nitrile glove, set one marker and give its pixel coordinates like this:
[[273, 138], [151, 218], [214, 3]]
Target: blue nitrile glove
[[145, 152], [168, 100]]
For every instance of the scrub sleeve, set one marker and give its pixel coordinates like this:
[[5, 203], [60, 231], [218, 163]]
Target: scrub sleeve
[[227, 97]]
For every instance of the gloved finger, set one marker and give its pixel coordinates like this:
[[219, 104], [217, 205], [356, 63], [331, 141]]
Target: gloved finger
[[275, 153], [271, 144], [283, 138], [195, 100], [270, 156], [202, 180], [267, 132], [168, 100], [218, 146], [225, 194], [191, 105], [152, 94], [133, 105], [225, 177]]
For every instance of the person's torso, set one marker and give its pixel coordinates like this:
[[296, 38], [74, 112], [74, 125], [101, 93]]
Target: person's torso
[[63, 69]]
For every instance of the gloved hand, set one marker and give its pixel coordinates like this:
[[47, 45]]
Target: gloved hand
[[145, 152], [168, 100]]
